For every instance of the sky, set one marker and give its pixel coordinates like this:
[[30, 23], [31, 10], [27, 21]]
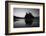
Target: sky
[[21, 12]]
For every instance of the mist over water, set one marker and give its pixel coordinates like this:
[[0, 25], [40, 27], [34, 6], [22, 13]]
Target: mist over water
[[26, 17], [22, 23]]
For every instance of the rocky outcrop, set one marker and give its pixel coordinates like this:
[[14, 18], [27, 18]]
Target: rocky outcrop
[[29, 18]]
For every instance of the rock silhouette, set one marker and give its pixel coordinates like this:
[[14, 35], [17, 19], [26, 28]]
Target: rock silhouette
[[29, 18]]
